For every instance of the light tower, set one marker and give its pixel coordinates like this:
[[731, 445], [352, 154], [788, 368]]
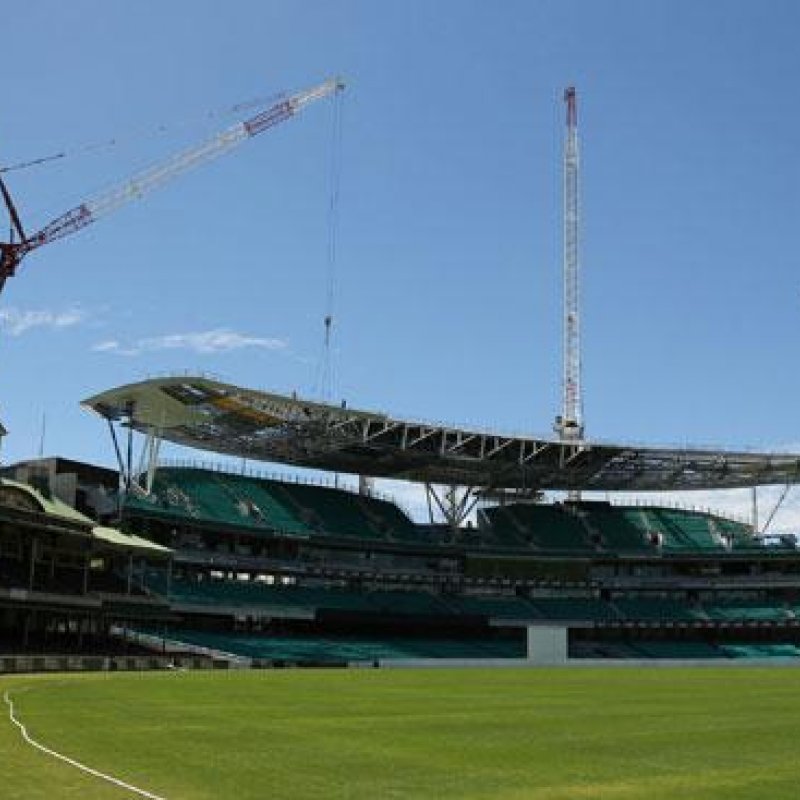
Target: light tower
[[569, 424]]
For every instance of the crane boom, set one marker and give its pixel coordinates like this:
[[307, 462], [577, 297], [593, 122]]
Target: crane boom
[[153, 177]]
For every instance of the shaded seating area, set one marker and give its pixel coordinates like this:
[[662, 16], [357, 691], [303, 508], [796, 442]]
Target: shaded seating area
[[746, 611], [617, 527], [254, 594], [574, 608], [682, 530], [407, 602], [676, 650], [210, 496], [761, 650], [657, 610], [303, 509], [258, 503], [267, 597], [546, 527], [328, 510], [500, 607], [596, 526], [343, 649]]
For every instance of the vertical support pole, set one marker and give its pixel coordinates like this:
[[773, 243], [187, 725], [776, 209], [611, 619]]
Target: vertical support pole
[[120, 463], [32, 566], [454, 505], [755, 509], [153, 448], [129, 458], [428, 491]]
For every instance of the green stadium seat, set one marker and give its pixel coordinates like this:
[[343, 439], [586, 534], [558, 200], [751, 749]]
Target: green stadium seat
[[617, 528], [216, 497], [761, 650], [407, 602], [489, 606], [574, 608], [682, 530], [677, 650], [542, 527], [261, 504], [746, 611], [342, 649], [657, 610]]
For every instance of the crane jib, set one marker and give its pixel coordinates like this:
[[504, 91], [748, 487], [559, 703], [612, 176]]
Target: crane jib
[[11, 253], [75, 219], [272, 116]]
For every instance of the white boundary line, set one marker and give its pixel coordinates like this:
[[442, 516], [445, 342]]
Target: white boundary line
[[77, 764]]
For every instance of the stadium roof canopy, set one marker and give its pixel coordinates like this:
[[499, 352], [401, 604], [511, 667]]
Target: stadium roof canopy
[[212, 416]]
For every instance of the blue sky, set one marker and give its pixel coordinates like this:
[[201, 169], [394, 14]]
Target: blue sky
[[447, 290]]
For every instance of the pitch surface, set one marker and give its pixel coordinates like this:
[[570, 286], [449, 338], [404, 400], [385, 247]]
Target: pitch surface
[[493, 734]]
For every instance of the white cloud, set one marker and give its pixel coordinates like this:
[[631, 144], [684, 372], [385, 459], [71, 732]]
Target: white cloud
[[218, 340], [113, 346], [17, 321], [108, 346]]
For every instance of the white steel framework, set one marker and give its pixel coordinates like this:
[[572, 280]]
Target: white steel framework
[[209, 415]]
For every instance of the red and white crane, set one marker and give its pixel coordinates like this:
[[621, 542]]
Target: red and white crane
[[20, 244]]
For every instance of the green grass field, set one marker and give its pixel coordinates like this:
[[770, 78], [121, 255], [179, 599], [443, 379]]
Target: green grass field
[[581, 733]]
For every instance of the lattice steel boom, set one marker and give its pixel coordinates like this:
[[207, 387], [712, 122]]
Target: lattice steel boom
[[11, 253], [570, 424]]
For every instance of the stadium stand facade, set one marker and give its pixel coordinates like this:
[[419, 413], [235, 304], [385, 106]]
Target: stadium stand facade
[[65, 580], [276, 571], [286, 572]]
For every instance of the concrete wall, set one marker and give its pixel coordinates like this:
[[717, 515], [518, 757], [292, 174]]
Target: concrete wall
[[547, 644]]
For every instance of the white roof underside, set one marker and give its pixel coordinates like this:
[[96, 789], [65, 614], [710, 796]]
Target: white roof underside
[[212, 416]]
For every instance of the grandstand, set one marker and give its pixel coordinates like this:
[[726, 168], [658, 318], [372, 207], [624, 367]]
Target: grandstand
[[64, 578], [266, 569]]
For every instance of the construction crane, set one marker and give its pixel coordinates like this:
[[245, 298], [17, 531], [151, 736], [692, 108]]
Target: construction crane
[[20, 244], [569, 425]]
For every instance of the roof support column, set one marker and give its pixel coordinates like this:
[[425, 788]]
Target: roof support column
[[455, 503], [150, 452], [129, 455], [117, 451]]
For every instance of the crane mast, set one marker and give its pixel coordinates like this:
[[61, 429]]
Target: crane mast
[[569, 425]]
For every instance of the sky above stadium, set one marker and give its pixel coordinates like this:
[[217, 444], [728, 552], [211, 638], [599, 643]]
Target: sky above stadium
[[446, 281]]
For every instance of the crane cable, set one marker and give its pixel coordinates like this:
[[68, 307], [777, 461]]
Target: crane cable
[[326, 377], [784, 494]]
